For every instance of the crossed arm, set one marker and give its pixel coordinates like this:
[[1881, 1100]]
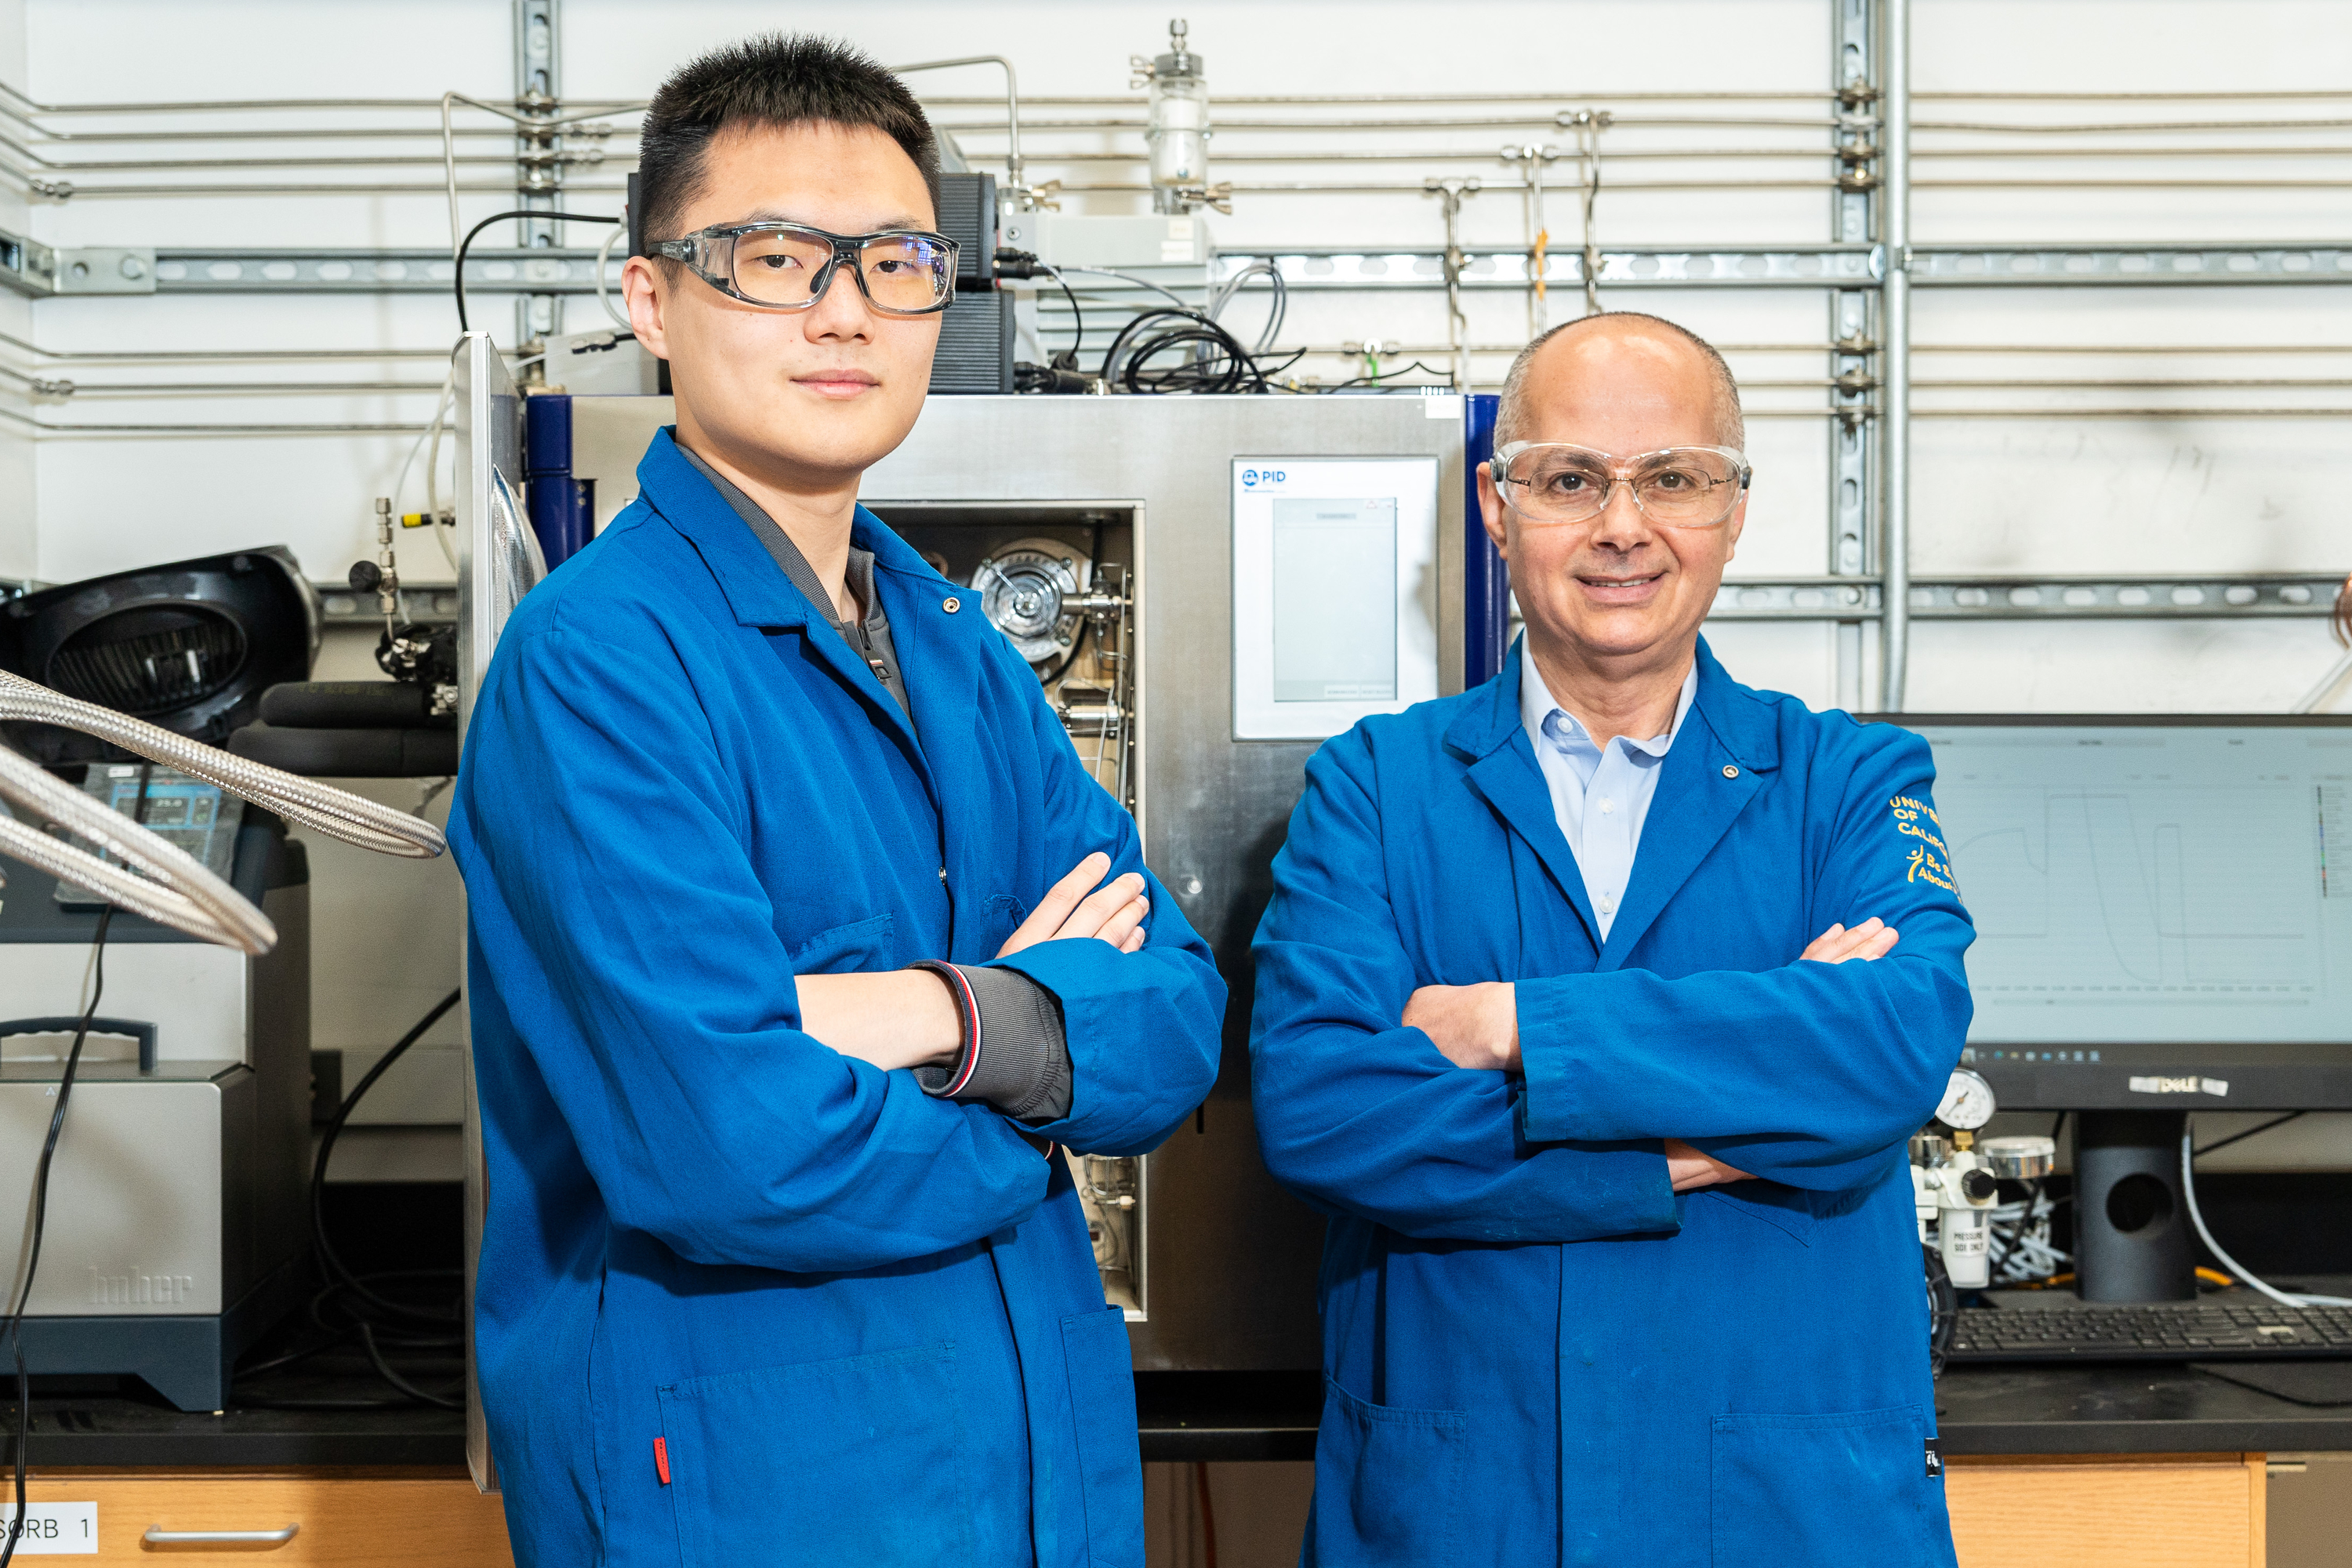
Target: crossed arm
[[908, 1018], [1479, 1027]]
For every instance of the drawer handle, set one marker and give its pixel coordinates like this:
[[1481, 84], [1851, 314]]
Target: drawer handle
[[158, 1536]]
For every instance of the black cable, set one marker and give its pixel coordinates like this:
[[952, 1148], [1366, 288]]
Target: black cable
[[337, 1272], [467, 244], [1231, 369], [41, 1192], [1076, 644], [374, 1336], [1077, 317], [1388, 375], [1268, 373], [383, 1370], [2248, 1133]]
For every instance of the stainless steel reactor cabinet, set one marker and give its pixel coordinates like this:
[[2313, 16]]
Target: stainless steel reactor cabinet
[[1208, 586]]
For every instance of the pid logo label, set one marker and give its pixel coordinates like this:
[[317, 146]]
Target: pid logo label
[[1253, 478]]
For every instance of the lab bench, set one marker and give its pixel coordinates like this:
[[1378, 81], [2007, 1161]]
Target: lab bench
[[2162, 1461]]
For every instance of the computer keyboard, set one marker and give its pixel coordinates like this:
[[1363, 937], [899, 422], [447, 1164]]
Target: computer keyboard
[[2239, 1326]]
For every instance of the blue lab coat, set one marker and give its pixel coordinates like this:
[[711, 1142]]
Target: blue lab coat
[[740, 1299], [1534, 1350]]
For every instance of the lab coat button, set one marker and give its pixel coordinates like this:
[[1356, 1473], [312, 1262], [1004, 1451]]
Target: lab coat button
[[1729, 771], [950, 604]]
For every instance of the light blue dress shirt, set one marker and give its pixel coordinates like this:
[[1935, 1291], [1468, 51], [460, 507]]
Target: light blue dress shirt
[[1601, 797]]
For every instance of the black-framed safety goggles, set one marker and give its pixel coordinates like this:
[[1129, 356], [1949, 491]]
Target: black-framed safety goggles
[[789, 265]]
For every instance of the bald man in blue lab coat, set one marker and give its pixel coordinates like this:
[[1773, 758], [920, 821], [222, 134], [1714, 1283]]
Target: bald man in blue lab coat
[[1595, 1006], [801, 941]]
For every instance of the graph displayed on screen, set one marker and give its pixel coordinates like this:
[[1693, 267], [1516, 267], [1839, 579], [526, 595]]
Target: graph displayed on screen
[[2152, 883]]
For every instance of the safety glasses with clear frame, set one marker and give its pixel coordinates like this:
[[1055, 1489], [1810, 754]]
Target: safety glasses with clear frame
[[1554, 482], [783, 266]]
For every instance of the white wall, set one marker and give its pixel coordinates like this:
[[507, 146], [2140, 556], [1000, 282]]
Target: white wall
[[2046, 494]]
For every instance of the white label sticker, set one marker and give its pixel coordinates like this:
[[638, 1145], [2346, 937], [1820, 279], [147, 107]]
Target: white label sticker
[[53, 1528], [2219, 1088], [1447, 405]]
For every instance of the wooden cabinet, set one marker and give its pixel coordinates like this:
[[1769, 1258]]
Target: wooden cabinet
[[349, 1519], [2144, 1510]]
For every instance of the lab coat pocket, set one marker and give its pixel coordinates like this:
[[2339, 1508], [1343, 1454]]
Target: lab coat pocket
[[1823, 1491], [1001, 916], [1785, 1208], [1387, 1482], [867, 945], [858, 1461], [1102, 1410]]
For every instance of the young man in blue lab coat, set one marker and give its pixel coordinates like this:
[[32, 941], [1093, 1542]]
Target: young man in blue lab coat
[[801, 939], [1621, 1266]]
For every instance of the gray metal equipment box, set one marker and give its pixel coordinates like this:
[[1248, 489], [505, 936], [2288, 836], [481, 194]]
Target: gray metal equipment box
[[178, 1210]]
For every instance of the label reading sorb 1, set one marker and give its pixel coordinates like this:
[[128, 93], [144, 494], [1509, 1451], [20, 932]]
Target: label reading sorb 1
[[53, 1528]]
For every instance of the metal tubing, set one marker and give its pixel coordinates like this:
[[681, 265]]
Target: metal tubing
[[1453, 122], [592, 157], [1894, 320], [2060, 413], [1334, 187], [45, 429], [2125, 127], [2131, 348], [1013, 179], [1286, 100], [234, 388]]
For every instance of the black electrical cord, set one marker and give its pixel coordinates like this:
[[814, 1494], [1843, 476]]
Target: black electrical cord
[[1388, 375], [337, 1271], [1077, 317], [374, 1336], [383, 1370], [467, 244], [1230, 368], [2248, 1133], [41, 1193]]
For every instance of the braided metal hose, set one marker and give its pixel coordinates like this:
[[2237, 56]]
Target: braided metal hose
[[175, 891], [338, 814]]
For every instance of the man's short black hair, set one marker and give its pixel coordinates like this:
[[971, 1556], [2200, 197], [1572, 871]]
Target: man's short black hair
[[776, 80]]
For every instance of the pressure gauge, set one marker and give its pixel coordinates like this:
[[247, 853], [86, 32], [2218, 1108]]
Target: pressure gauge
[[1967, 1101]]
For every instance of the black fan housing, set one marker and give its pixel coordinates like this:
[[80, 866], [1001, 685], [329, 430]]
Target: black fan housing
[[190, 646]]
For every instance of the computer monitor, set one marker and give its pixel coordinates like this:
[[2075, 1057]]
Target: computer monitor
[[2163, 907], [2164, 925]]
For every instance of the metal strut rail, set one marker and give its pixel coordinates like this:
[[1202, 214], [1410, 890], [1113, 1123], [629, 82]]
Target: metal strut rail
[[1866, 268]]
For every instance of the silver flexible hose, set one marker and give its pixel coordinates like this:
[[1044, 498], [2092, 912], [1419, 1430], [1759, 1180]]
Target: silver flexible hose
[[175, 891], [306, 803]]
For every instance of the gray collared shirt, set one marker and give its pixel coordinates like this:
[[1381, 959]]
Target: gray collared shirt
[[1016, 1051], [868, 639]]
